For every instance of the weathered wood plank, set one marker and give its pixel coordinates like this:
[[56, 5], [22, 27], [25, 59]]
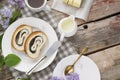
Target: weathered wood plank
[[99, 9], [112, 74], [99, 35], [102, 8], [108, 62]]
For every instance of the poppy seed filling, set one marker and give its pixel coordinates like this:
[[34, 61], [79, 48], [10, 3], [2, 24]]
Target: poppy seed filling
[[35, 43], [20, 37]]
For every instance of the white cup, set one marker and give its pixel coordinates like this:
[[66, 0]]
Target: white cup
[[68, 28], [44, 6]]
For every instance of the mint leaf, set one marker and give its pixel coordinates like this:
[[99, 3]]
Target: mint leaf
[[12, 60], [1, 61], [1, 36], [17, 13]]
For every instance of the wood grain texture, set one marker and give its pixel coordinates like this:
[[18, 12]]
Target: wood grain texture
[[99, 35], [103, 8], [108, 62], [99, 9]]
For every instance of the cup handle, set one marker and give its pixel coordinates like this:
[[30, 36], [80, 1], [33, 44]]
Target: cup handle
[[62, 37]]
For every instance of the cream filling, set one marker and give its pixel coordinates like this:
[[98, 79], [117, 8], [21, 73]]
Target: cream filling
[[36, 44], [20, 38]]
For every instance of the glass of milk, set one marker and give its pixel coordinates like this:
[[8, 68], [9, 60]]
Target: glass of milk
[[67, 27]]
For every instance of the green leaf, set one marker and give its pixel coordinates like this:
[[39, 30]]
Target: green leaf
[[12, 60], [1, 6], [17, 13], [1, 61], [1, 27], [24, 78], [1, 36]]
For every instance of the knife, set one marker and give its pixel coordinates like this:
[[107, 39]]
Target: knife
[[49, 53]]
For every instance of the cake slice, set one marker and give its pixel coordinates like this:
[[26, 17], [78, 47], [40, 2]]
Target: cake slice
[[20, 35], [34, 43]]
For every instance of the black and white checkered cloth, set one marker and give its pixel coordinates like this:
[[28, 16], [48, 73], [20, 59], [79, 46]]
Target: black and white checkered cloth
[[65, 50]]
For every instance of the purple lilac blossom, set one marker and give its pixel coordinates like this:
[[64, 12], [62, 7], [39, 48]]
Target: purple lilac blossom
[[6, 23], [12, 2], [6, 12], [56, 78], [68, 77], [73, 76], [20, 3], [4, 26], [1, 22]]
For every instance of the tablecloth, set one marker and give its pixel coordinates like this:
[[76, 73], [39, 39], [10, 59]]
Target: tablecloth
[[65, 50]]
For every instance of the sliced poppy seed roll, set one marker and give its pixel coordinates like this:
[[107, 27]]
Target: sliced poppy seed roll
[[34, 43], [20, 35]]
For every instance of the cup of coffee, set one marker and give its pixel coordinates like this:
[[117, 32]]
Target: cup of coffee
[[37, 5]]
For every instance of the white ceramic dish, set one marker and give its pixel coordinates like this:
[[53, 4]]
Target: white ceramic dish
[[27, 62], [85, 67], [71, 30]]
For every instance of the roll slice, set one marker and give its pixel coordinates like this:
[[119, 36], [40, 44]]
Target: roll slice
[[34, 43], [20, 35]]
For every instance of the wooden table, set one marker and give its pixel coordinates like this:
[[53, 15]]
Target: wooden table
[[102, 36]]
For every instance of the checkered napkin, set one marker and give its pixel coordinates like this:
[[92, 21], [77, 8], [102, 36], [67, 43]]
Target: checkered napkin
[[65, 50]]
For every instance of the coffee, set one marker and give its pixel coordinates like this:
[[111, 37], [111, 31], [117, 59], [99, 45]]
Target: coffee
[[35, 3]]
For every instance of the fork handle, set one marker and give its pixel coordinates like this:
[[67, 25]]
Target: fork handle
[[36, 65]]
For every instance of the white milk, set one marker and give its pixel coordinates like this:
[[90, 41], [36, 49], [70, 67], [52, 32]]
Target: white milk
[[67, 26]]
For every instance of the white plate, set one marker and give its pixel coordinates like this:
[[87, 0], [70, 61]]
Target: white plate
[[27, 62], [85, 67]]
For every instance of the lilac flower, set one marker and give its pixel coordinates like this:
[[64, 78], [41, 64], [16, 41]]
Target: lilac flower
[[73, 76], [1, 22], [20, 3], [6, 23], [68, 77], [56, 78], [4, 26], [12, 2], [6, 12]]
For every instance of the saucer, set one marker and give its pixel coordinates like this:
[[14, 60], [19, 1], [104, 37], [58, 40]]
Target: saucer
[[85, 68]]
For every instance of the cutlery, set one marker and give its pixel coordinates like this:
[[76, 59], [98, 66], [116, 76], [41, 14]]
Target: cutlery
[[49, 53], [70, 68]]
